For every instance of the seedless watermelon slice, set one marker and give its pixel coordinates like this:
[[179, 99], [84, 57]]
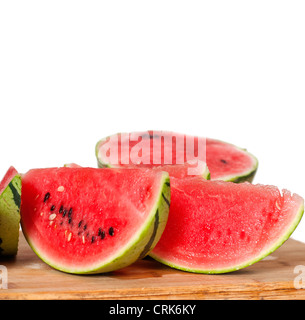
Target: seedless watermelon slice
[[218, 227], [86, 220], [224, 161], [10, 189]]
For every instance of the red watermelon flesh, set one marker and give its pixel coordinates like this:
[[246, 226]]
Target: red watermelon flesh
[[9, 175], [86, 220], [177, 171], [217, 227], [186, 170], [229, 163], [158, 148]]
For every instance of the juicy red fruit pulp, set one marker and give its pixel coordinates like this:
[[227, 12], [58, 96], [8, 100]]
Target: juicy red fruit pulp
[[160, 148], [76, 216], [217, 226]]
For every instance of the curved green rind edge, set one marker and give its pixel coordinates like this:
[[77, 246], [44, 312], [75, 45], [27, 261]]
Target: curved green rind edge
[[10, 217], [205, 174], [248, 263], [139, 246], [247, 176], [100, 163]]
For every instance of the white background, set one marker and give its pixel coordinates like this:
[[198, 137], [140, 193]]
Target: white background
[[72, 72]]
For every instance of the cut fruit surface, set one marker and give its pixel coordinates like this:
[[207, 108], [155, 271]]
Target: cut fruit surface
[[88, 220], [160, 148], [10, 189], [218, 227], [230, 163]]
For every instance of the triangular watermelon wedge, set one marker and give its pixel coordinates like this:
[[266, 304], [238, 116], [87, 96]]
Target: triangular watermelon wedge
[[90, 220], [218, 227]]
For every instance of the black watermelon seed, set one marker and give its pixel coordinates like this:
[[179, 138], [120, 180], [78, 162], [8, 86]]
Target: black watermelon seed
[[85, 227], [92, 239], [70, 213], [101, 233], [61, 209], [111, 231], [53, 208], [46, 197], [80, 223], [79, 233], [223, 161], [70, 219], [65, 212]]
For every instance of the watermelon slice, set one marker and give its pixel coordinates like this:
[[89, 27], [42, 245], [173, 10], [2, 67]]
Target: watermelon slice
[[176, 171], [228, 162], [218, 227], [10, 189], [88, 220], [158, 148]]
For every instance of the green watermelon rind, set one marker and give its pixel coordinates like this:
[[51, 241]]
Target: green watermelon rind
[[246, 176], [205, 174], [137, 248], [248, 263], [10, 217]]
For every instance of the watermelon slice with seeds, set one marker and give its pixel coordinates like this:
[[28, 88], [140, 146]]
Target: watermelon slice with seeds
[[88, 220], [10, 189], [219, 227], [224, 161]]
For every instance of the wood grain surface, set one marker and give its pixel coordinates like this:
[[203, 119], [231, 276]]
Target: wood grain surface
[[271, 278]]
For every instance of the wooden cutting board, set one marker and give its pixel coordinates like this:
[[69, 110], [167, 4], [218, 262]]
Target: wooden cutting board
[[272, 278]]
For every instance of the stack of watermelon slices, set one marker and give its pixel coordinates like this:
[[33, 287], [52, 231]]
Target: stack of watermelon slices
[[92, 220], [214, 226]]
